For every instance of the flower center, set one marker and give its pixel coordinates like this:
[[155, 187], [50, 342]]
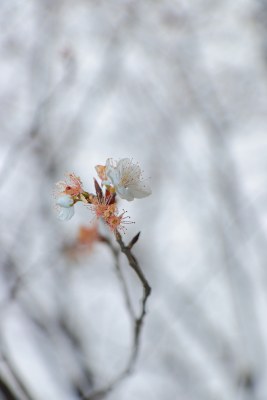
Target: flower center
[[125, 180], [130, 176]]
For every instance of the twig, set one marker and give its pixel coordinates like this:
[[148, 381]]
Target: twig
[[146, 289], [138, 321], [116, 254]]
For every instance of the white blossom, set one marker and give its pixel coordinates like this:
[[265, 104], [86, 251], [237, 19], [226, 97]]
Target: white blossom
[[65, 209], [126, 178]]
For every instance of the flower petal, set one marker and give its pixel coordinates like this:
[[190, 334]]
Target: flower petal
[[65, 214], [113, 175], [140, 190], [101, 172], [126, 165], [125, 176], [65, 201], [124, 193]]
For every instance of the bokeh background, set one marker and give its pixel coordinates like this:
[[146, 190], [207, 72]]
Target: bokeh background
[[181, 87]]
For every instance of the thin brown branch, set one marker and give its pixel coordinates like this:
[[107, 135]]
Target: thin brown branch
[[146, 290], [116, 254], [138, 321]]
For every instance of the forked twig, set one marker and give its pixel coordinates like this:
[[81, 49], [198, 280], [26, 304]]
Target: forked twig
[[116, 254], [138, 321], [146, 288]]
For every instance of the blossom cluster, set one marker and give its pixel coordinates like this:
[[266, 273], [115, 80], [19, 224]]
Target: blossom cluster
[[121, 178]]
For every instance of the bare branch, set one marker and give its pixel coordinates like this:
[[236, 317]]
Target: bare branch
[[138, 321], [146, 291], [115, 253]]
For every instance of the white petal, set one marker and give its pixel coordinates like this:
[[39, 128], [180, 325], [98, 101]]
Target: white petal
[[65, 214], [107, 182], [113, 175], [140, 190], [111, 163], [65, 201], [124, 193], [124, 175], [125, 165]]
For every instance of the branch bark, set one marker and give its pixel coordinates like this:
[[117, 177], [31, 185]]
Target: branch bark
[[137, 321]]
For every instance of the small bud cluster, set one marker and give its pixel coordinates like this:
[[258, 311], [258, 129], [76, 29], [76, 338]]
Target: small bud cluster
[[122, 178]]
